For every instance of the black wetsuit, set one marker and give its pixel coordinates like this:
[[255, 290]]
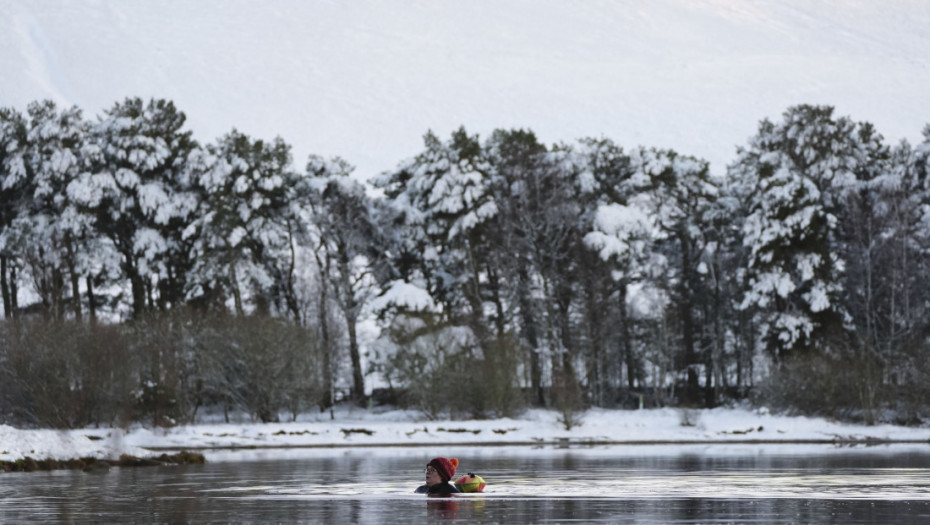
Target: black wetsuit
[[439, 488]]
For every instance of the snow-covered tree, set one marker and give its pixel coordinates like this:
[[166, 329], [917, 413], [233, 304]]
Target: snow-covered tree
[[891, 237], [436, 213], [484, 226], [50, 232], [439, 197], [677, 193], [602, 179], [541, 223], [139, 191], [13, 177], [734, 342], [867, 228], [802, 168], [347, 238], [657, 238], [245, 229]]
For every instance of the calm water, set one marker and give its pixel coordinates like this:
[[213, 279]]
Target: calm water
[[641, 485]]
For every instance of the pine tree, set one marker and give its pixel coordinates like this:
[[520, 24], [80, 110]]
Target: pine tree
[[603, 172], [542, 223], [51, 231], [614, 235], [13, 179], [138, 191], [246, 227], [802, 169], [655, 237], [677, 194], [440, 197]]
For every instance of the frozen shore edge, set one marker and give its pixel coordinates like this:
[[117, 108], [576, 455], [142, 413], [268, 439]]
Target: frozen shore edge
[[560, 443], [353, 429]]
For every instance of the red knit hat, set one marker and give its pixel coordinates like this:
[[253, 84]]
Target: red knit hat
[[445, 467]]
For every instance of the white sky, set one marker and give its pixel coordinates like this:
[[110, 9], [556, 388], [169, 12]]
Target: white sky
[[365, 79]]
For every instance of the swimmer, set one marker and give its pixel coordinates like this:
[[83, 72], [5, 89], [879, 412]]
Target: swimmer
[[438, 473]]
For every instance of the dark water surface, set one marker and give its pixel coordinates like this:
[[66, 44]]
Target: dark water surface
[[641, 485]]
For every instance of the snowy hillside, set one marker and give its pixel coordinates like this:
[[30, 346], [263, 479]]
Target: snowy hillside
[[365, 79]]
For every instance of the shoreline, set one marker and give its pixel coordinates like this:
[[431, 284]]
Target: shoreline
[[185, 455], [405, 430], [95, 465], [559, 443]]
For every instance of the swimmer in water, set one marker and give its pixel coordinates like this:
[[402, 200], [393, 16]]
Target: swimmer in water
[[438, 473]]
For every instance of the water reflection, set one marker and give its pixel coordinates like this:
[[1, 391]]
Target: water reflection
[[608, 485]]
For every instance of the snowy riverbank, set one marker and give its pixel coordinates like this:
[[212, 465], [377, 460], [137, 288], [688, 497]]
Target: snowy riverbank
[[359, 428]]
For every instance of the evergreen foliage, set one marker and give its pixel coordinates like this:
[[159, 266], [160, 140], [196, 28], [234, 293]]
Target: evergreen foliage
[[153, 277]]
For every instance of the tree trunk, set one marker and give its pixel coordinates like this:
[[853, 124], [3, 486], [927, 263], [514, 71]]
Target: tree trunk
[[626, 344], [565, 329], [350, 310], [290, 294], [75, 280], [717, 343], [494, 285], [5, 289], [709, 394], [328, 398], [687, 320], [594, 325], [57, 294], [75, 294], [149, 293], [14, 292], [358, 382], [169, 296], [472, 292], [91, 305], [137, 285], [234, 286], [532, 337]]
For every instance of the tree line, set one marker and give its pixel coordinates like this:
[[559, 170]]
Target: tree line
[[499, 273]]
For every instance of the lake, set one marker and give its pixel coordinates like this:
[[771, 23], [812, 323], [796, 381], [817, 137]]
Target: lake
[[631, 484]]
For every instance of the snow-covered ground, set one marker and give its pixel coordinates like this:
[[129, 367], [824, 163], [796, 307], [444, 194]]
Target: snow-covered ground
[[359, 428]]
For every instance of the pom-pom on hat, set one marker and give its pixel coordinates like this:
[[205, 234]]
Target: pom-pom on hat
[[445, 467]]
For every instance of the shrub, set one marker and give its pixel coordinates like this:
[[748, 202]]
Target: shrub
[[260, 365], [443, 369], [567, 398], [62, 374], [159, 369], [842, 387]]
